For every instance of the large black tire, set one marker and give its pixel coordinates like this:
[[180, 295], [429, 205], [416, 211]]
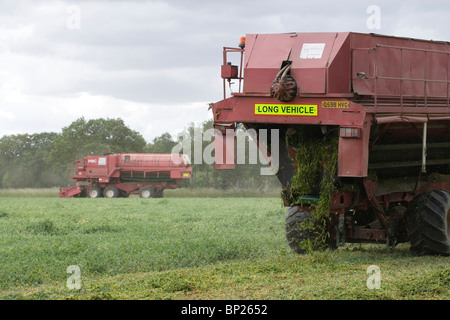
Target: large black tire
[[428, 223], [94, 192], [295, 233], [111, 192]]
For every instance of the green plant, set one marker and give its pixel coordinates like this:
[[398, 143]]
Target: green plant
[[316, 161]]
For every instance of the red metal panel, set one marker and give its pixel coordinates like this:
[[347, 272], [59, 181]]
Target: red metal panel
[[229, 72], [310, 53], [354, 154], [380, 66], [339, 67], [388, 65], [150, 161], [242, 109], [400, 67], [310, 71], [175, 174], [70, 192], [437, 69], [97, 166], [268, 50], [412, 68], [392, 78], [363, 71], [265, 54]]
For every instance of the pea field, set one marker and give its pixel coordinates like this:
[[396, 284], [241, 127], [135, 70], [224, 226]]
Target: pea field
[[190, 248]]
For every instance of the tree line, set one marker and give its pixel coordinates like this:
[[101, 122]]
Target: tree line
[[44, 159]]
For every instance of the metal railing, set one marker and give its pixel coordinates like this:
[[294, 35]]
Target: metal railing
[[403, 101], [227, 50]]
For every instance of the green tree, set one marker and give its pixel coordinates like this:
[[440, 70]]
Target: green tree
[[25, 161], [95, 137], [162, 144], [245, 175]]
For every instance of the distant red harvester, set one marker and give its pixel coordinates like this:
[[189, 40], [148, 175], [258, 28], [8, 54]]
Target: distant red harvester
[[387, 101], [117, 175]]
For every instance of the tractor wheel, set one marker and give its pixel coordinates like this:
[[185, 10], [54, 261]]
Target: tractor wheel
[[94, 192], [146, 192], [111, 192], [296, 233], [428, 223]]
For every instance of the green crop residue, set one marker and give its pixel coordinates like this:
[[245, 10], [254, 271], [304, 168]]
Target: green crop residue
[[316, 159]]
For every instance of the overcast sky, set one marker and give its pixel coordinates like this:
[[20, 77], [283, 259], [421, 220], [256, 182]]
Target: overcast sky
[[156, 64]]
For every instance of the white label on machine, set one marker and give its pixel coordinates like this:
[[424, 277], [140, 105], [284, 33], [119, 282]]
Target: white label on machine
[[312, 50], [102, 161]]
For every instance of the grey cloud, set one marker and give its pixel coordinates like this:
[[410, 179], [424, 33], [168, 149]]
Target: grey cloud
[[168, 52]]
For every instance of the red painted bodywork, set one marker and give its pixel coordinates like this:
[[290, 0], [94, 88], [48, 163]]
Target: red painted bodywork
[[384, 79], [129, 172], [380, 91]]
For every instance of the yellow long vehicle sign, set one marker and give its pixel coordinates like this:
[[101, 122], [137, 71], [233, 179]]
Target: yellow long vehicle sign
[[286, 109]]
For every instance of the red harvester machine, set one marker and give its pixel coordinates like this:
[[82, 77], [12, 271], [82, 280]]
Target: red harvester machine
[[386, 102], [118, 175]]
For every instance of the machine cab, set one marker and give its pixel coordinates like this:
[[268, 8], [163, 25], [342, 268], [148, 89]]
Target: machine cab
[[80, 165]]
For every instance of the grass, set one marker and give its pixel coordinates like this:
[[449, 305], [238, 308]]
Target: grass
[[190, 248], [168, 193], [29, 192]]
